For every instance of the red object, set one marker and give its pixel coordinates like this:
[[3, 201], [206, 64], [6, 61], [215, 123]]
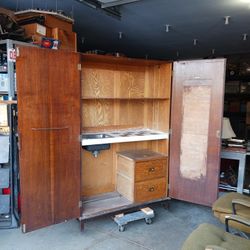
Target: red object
[[6, 191], [46, 43]]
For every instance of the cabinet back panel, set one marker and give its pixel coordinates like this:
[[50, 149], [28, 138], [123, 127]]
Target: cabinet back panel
[[123, 81], [152, 114], [117, 95]]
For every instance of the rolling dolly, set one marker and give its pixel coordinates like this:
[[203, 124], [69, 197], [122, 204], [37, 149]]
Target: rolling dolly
[[123, 219]]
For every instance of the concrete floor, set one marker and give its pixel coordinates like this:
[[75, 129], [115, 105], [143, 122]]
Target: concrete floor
[[168, 231]]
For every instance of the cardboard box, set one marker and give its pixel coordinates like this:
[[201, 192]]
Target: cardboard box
[[37, 29]]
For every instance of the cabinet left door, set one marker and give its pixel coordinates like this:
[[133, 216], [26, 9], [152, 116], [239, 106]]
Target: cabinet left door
[[49, 126]]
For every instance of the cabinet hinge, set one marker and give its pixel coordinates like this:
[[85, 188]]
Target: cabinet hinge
[[17, 52], [23, 228], [80, 204], [79, 66], [19, 142]]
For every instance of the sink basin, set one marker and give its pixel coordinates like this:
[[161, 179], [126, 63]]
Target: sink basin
[[95, 136], [95, 149]]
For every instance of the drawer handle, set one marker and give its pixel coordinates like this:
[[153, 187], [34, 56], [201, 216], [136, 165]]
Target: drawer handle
[[151, 189], [151, 170]]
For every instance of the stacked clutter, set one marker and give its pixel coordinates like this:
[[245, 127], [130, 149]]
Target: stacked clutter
[[47, 28], [9, 28]]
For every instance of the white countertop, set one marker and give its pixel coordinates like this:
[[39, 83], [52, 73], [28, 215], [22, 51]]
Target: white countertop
[[128, 135]]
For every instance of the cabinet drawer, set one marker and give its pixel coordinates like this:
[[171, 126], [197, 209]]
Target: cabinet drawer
[[150, 169], [150, 190]]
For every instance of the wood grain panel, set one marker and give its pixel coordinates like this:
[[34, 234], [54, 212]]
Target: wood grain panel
[[150, 170], [65, 147], [98, 113], [150, 190], [49, 128], [188, 75], [97, 173], [131, 82], [97, 82]]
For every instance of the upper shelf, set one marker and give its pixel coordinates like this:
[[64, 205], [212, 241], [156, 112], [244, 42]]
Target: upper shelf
[[118, 136]]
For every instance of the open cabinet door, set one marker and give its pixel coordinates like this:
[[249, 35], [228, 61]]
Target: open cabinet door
[[48, 84], [196, 116]]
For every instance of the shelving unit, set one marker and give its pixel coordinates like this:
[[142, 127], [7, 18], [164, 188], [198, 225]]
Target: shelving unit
[[120, 95], [9, 215]]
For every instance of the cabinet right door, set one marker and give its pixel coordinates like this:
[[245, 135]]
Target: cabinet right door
[[196, 116]]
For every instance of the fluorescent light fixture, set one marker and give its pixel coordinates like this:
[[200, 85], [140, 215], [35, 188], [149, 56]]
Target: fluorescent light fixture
[[112, 3]]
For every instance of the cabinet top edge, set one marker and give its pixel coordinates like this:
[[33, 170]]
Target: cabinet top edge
[[121, 60]]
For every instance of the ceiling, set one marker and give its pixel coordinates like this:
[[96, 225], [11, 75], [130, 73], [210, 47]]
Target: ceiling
[[143, 26]]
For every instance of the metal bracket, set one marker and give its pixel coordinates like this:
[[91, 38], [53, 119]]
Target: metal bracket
[[80, 204], [24, 228]]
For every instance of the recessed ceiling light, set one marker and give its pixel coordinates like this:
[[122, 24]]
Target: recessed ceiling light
[[226, 19], [167, 27]]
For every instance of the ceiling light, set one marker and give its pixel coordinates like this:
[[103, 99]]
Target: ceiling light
[[213, 51], [244, 36], [226, 19], [120, 35], [195, 42], [167, 27]]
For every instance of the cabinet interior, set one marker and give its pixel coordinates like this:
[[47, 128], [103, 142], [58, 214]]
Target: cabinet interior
[[121, 93]]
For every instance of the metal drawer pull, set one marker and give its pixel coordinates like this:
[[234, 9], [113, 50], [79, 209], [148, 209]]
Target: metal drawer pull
[[52, 128], [151, 189], [151, 170]]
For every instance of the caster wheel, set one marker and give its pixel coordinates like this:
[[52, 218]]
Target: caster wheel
[[121, 228], [148, 221]]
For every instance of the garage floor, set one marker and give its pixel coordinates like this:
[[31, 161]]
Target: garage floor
[[168, 231]]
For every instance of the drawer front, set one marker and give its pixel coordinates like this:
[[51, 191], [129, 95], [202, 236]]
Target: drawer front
[[150, 190], [150, 170]]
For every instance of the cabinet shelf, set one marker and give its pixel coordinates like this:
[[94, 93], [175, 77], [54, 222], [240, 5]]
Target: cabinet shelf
[[109, 203], [130, 135]]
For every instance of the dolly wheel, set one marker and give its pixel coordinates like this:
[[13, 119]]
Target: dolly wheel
[[148, 221], [121, 228]]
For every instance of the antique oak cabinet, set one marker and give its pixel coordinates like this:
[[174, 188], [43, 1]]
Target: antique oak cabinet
[[93, 128]]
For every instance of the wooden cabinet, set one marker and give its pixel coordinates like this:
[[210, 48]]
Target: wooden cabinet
[[63, 96], [141, 175]]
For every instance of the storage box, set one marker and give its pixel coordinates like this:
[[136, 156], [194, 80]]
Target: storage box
[[37, 29], [3, 83], [4, 177], [4, 148], [3, 115], [4, 204]]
